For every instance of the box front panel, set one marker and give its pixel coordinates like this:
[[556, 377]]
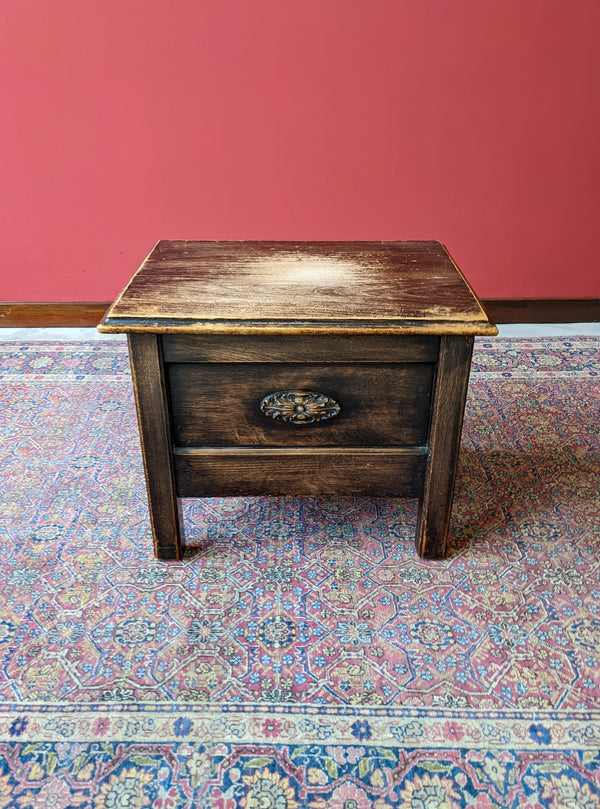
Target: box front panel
[[313, 473], [312, 405]]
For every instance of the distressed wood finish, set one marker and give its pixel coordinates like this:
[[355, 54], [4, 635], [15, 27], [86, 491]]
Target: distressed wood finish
[[216, 404], [155, 435], [305, 287], [321, 473], [382, 331], [299, 348], [446, 423]]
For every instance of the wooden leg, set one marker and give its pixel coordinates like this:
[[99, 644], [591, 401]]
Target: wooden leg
[[155, 435], [450, 393]]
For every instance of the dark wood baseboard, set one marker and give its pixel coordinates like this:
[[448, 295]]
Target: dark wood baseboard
[[499, 310], [46, 315], [543, 310]]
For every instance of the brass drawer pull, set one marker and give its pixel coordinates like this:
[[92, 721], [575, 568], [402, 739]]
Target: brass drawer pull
[[299, 406]]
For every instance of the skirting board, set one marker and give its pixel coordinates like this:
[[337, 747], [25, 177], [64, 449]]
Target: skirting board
[[500, 310], [48, 315], [543, 310]]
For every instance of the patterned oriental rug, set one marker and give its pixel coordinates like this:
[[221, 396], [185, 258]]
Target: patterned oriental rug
[[301, 655]]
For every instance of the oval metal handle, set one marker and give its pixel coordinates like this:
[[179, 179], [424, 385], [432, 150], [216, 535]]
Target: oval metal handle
[[299, 406]]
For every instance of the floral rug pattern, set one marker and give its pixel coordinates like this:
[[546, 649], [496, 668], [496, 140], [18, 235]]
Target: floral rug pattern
[[301, 655]]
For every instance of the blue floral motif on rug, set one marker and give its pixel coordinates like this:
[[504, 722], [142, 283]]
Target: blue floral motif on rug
[[301, 655], [227, 776]]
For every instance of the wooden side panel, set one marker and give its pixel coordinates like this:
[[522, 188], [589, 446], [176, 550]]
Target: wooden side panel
[[216, 405], [444, 440], [287, 473], [300, 348], [153, 421]]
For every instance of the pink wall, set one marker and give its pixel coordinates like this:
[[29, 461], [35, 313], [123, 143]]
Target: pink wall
[[476, 122]]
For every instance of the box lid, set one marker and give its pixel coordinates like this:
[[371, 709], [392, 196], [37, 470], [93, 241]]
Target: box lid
[[197, 287]]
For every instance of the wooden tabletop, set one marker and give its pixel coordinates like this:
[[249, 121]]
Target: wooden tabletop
[[199, 287]]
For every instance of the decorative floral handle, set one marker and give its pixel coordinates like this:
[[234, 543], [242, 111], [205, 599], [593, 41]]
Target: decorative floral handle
[[299, 406]]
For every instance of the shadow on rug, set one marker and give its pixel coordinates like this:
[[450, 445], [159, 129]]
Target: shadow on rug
[[301, 655]]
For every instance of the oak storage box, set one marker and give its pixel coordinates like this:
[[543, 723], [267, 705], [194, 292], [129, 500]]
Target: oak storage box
[[299, 368]]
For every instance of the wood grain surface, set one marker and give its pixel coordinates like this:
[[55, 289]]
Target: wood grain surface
[[286, 348], [444, 440], [153, 419], [219, 405], [318, 473], [195, 287]]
